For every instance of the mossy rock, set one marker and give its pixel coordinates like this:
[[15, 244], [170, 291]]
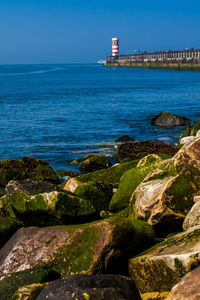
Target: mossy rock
[[8, 226], [98, 247], [128, 183], [26, 168], [47, 208], [10, 284], [91, 191], [138, 150], [159, 268], [94, 163], [29, 292], [191, 130], [110, 175]]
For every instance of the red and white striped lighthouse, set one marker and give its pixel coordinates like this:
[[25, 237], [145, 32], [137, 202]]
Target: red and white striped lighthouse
[[115, 46]]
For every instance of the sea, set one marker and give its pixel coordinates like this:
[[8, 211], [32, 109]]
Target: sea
[[62, 112]]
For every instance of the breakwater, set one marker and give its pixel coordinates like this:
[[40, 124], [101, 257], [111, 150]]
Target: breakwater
[[177, 60]]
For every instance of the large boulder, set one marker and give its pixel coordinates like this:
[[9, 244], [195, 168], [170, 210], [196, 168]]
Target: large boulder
[[166, 195], [94, 163], [10, 284], [103, 246], [91, 287], [137, 150], [47, 208], [26, 168], [193, 217], [188, 288], [168, 119], [129, 182], [159, 268]]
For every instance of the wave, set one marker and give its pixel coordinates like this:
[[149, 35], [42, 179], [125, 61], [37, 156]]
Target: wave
[[33, 72]]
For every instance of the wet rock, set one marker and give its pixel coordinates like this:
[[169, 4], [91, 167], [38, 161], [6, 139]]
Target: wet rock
[[47, 208], [162, 266], [138, 150], [149, 159], [26, 168], [71, 185], [168, 119], [93, 287], [166, 194], [31, 187], [94, 163], [125, 138], [98, 247], [188, 288], [10, 284]]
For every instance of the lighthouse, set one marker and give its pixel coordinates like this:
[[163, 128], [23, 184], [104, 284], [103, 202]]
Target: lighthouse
[[115, 46]]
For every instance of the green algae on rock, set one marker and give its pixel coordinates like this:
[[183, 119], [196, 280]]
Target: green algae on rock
[[94, 163], [79, 249], [166, 195], [8, 226], [128, 183], [26, 168], [138, 150], [159, 268], [91, 191], [110, 175], [10, 284], [47, 208]]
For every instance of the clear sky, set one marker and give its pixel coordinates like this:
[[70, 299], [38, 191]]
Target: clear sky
[[68, 31]]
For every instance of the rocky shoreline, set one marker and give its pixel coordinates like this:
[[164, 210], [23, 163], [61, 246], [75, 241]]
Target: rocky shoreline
[[123, 231]]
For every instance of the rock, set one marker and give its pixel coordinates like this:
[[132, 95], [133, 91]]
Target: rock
[[188, 288], [149, 159], [198, 133], [167, 119], [128, 183], [94, 163], [196, 199], [159, 268], [91, 287], [154, 296], [191, 130], [138, 150], [125, 138], [187, 139], [98, 198], [47, 208], [69, 173], [10, 284], [29, 292], [26, 168], [71, 185], [31, 187], [8, 226], [110, 176], [193, 217], [103, 246], [166, 194]]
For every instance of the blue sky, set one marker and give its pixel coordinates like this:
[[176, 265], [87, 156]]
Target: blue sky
[[68, 31]]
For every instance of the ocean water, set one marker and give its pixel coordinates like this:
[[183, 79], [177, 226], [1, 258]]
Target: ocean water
[[60, 112]]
